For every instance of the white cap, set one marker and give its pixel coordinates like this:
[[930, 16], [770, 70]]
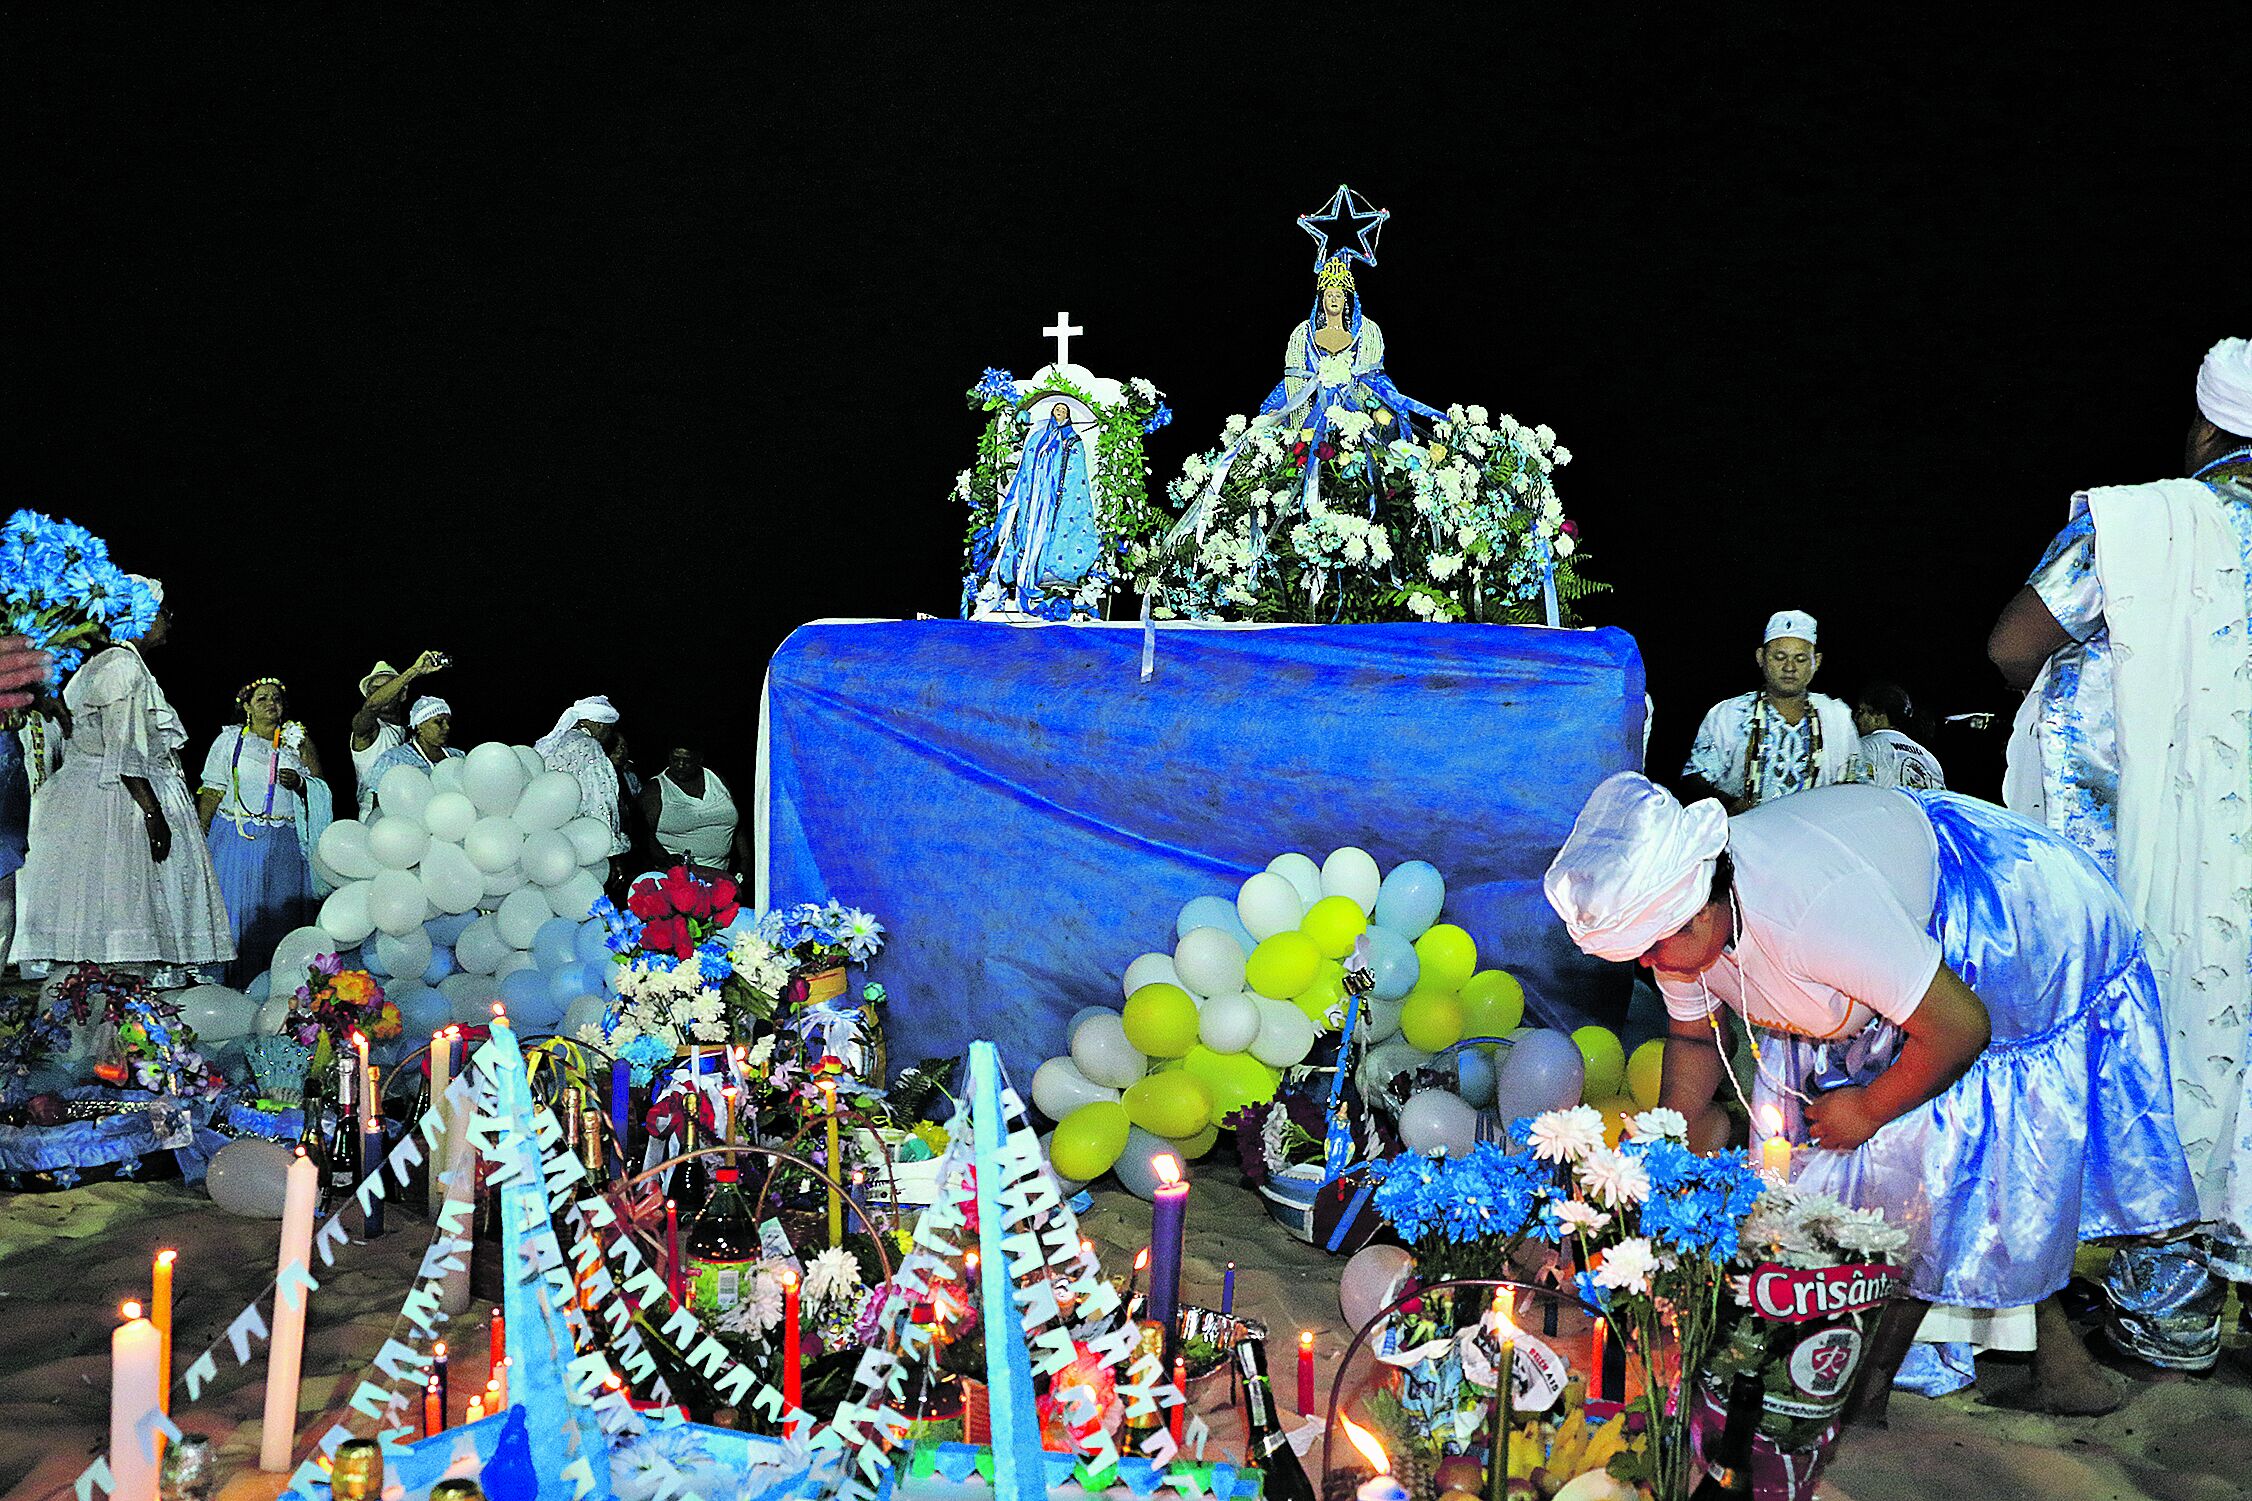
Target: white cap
[[427, 708], [1793, 623], [2224, 386], [1636, 868]]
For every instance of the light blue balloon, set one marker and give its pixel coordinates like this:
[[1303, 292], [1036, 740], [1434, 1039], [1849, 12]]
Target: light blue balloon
[[1543, 1071], [441, 963], [1474, 1075], [610, 975], [588, 943], [537, 1018], [449, 928], [1392, 964], [555, 944], [364, 958], [1409, 900], [422, 1011], [523, 987], [1214, 912], [261, 987], [571, 981]]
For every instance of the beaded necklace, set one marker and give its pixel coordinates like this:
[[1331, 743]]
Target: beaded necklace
[[2233, 467], [37, 725], [1751, 1028], [1755, 763], [273, 775]]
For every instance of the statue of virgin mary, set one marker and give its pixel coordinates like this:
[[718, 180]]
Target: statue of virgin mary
[[1045, 540]]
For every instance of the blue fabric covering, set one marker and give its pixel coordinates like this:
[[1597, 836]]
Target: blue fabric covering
[[104, 1141], [2063, 1130], [1026, 815], [267, 885]]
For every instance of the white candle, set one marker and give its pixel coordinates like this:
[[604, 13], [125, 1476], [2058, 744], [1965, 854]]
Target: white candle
[[461, 1169], [278, 1436], [441, 1079], [135, 1351], [367, 1085]]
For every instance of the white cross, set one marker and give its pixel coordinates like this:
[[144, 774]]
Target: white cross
[[1061, 332]]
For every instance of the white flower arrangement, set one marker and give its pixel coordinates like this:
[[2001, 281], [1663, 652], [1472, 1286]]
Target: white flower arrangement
[[759, 1308], [833, 1276], [1799, 1228]]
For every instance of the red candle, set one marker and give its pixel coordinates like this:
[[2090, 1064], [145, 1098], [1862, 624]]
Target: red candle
[[433, 1409], [793, 1374], [1181, 1385], [1305, 1371], [499, 1350], [672, 1254], [1599, 1341]]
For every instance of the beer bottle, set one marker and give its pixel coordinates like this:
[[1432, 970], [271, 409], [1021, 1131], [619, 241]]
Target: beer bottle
[[1729, 1476], [1269, 1448]]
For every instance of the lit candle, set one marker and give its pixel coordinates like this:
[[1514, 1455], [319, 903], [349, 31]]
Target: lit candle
[[160, 1314], [371, 1155], [672, 1254], [441, 1078], [1134, 1278], [476, 1409], [1609, 1362], [500, 1382], [836, 1169], [793, 1374], [438, 1379], [285, 1357], [1775, 1149], [498, 1350], [1181, 1385], [367, 1083], [1169, 1211], [433, 1409], [1227, 1290], [727, 1097], [1504, 1419], [1305, 1371], [134, 1392]]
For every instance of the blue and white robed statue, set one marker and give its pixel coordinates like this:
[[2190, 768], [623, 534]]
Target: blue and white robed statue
[[1059, 490]]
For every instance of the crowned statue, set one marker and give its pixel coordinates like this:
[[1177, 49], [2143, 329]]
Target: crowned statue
[[1060, 488]]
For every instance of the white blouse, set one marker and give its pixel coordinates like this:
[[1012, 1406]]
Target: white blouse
[[1836, 887], [241, 783]]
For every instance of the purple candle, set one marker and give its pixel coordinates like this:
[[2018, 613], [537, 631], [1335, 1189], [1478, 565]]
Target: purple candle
[[621, 1102], [1227, 1290], [1169, 1213]]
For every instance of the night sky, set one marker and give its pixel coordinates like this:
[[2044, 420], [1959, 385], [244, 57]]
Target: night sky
[[601, 346]]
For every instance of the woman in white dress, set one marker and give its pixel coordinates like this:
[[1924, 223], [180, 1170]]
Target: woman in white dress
[[262, 803], [694, 816], [114, 875]]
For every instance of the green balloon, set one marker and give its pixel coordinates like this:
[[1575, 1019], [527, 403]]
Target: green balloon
[[1170, 1105], [1605, 1057], [1088, 1140], [1431, 1020], [1193, 1147], [1160, 1020], [1446, 955], [1236, 1080], [1493, 1004], [1282, 965]]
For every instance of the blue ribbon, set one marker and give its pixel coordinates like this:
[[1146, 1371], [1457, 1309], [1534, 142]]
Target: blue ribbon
[[1019, 1471]]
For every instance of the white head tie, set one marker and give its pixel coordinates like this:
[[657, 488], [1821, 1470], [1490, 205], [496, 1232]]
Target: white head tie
[[1636, 868], [2224, 387], [1795, 623], [154, 586], [594, 707], [427, 708]]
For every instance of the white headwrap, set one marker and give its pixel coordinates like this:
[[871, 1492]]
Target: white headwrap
[[1637, 866], [2224, 386], [154, 586], [595, 707], [1795, 623], [427, 708]]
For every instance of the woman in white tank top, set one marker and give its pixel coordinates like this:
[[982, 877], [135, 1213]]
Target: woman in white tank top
[[694, 815]]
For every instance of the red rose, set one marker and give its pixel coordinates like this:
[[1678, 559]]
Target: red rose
[[647, 901], [724, 893], [667, 935], [722, 916], [681, 890]]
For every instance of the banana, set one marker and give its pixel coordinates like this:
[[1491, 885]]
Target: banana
[[1609, 1440], [1571, 1442]]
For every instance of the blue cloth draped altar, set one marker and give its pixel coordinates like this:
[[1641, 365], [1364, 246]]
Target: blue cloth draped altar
[[1026, 815]]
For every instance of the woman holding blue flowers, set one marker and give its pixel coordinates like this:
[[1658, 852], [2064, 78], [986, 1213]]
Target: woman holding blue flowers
[[1950, 1011]]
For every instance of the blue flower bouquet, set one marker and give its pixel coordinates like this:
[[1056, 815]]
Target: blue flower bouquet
[[59, 589]]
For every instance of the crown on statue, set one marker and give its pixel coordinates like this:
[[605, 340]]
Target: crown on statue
[[1335, 272]]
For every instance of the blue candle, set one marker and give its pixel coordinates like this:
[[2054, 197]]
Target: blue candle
[[371, 1161], [1169, 1212], [1227, 1290], [621, 1102]]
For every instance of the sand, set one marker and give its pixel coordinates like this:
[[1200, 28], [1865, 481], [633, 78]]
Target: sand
[[68, 1259]]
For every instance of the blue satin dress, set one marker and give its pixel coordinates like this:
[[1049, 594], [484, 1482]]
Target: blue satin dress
[[2062, 1131]]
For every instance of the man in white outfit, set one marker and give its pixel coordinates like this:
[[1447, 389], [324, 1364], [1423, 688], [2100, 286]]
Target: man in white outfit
[[1780, 739]]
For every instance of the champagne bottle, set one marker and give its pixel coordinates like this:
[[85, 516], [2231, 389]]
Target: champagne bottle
[[356, 1474], [722, 1246], [691, 1181], [341, 1174], [1269, 1449], [1729, 1476], [312, 1131]]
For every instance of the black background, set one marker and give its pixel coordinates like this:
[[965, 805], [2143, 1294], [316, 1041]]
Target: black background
[[602, 346]]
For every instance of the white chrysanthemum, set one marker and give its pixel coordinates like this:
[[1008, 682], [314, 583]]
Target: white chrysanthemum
[[1565, 546], [1561, 456], [1581, 1217], [1545, 436], [1445, 565], [1567, 1135], [1614, 1177], [1477, 415], [1657, 1124], [1420, 606], [962, 485], [1334, 370], [1626, 1267], [1142, 388], [1864, 1231], [832, 1275]]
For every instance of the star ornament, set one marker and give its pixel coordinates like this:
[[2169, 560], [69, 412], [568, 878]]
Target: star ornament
[[1345, 218]]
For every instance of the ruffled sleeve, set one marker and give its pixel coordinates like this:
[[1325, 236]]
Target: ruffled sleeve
[[113, 703]]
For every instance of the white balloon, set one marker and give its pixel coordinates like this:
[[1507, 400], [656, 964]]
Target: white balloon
[[493, 778], [550, 801], [530, 760], [1352, 872], [273, 1011], [344, 848], [449, 816], [216, 1013], [344, 916], [1058, 1088], [1151, 969], [516, 959], [521, 914], [480, 948], [395, 901], [1209, 962], [492, 844], [297, 950], [1286, 1035], [446, 775], [1438, 1120], [396, 840], [324, 874], [452, 883], [472, 997], [1301, 872], [1104, 1056], [1227, 1023], [1371, 1280], [404, 955], [250, 1176], [547, 858], [590, 839], [500, 884], [575, 897], [1269, 904], [404, 792]]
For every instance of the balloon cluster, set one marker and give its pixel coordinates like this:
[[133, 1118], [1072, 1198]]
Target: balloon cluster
[[1247, 989], [473, 883]]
